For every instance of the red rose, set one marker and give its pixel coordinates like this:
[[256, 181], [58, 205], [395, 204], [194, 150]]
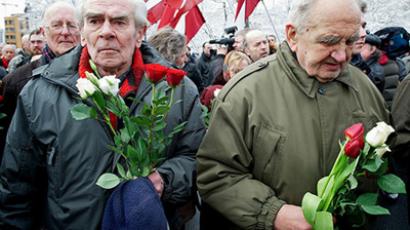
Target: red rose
[[352, 148], [175, 76], [155, 72], [355, 140], [354, 131]]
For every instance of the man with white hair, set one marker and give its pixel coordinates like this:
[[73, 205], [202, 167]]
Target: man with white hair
[[51, 162], [256, 45], [62, 33], [275, 128]]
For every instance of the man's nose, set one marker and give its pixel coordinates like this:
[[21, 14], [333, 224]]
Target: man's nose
[[106, 30], [340, 54]]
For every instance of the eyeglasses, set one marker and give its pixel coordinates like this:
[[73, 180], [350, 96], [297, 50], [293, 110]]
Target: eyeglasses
[[59, 27]]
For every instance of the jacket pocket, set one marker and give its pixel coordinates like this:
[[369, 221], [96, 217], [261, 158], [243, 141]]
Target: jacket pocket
[[54, 170], [369, 121], [268, 145]]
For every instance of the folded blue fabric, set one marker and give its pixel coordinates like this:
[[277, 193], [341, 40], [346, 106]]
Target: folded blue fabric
[[134, 205]]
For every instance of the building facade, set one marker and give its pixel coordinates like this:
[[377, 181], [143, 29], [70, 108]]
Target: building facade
[[16, 26]]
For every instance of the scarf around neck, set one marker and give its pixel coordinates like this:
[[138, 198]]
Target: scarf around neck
[[129, 85]]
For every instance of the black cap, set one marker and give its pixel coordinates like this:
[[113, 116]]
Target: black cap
[[373, 40]]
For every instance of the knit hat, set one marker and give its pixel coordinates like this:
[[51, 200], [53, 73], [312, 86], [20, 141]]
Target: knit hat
[[134, 205]]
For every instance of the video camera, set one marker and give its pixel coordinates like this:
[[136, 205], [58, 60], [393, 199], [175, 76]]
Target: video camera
[[228, 39]]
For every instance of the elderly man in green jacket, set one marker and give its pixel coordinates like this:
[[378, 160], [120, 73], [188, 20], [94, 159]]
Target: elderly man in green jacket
[[274, 130]]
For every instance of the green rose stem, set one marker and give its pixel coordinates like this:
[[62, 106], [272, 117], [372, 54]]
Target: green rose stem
[[151, 127], [339, 164], [106, 117]]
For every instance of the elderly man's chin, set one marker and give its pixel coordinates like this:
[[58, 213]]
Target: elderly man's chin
[[328, 75]]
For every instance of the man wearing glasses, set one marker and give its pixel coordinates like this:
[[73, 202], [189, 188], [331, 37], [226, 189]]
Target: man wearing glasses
[[61, 29]]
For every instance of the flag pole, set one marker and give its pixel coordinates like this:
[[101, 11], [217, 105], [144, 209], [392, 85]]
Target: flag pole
[[270, 19]]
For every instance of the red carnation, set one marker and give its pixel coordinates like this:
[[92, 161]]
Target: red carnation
[[155, 72], [175, 76], [355, 140]]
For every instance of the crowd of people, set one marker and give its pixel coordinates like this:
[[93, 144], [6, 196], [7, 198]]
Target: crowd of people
[[278, 109]]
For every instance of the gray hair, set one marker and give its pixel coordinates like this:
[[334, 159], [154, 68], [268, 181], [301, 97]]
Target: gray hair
[[300, 13], [169, 42], [8, 46], [140, 12], [56, 5], [250, 35]]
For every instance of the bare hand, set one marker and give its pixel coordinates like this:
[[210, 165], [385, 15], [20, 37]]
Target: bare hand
[[290, 217], [157, 181]]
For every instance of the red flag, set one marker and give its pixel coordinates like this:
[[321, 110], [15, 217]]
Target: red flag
[[245, 9], [155, 9], [172, 8], [196, 20]]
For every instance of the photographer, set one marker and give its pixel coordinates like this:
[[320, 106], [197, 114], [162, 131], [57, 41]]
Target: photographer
[[210, 64]]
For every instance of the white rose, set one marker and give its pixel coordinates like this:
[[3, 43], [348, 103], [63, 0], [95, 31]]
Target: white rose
[[379, 134], [382, 150], [109, 85], [85, 87]]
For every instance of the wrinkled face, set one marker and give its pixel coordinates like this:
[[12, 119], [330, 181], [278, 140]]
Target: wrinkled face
[[110, 34], [8, 54], [324, 48], [36, 44], [362, 36], [257, 47], [62, 30]]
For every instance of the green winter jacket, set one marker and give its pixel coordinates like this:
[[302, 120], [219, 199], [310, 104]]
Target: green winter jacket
[[51, 161], [274, 133]]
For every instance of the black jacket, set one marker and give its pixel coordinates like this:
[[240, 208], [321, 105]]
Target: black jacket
[[51, 162]]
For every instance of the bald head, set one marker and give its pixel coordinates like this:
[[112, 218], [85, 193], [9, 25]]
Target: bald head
[[55, 8], [256, 45]]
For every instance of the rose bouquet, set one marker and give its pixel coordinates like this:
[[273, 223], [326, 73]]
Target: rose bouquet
[[337, 192], [141, 141]]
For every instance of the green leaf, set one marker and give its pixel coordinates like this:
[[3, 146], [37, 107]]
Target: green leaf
[[121, 171], [352, 182], [373, 164], [125, 137], [367, 199], [375, 210], [99, 99], [81, 111], [310, 205], [324, 220], [328, 189], [391, 183], [321, 186], [108, 181]]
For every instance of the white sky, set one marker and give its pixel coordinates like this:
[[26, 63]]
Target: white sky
[[8, 7]]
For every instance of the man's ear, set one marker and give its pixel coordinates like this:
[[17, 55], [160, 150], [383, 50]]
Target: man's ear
[[140, 36], [291, 36]]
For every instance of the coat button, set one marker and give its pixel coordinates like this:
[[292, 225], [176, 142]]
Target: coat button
[[321, 90]]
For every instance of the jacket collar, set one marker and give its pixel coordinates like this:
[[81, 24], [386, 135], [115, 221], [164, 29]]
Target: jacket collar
[[307, 84]]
